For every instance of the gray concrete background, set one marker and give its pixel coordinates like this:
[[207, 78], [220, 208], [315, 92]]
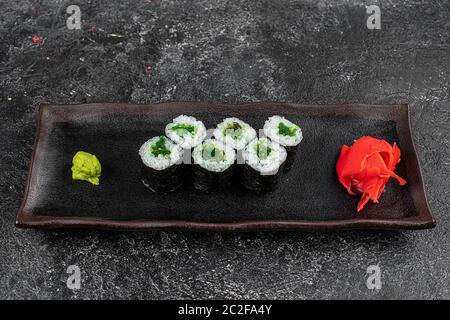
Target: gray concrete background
[[230, 51]]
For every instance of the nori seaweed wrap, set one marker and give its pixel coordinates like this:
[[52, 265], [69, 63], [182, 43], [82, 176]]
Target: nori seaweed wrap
[[263, 161], [213, 166], [287, 134], [162, 170]]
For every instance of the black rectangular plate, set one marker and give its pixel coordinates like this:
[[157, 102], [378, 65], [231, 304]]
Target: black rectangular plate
[[309, 196]]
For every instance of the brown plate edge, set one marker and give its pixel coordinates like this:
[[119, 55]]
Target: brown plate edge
[[424, 219], [418, 192]]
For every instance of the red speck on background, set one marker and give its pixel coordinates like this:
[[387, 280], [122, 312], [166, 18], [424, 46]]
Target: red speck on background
[[36, 39], [149, 67], [91, 29]]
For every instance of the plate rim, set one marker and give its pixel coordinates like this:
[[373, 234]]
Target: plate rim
[[423, 220]]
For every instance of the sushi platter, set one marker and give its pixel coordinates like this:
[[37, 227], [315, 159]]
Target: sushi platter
[[214, 167]]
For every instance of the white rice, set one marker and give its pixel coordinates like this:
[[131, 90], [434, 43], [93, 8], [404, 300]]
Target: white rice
[[160, 162], [184, 138], [269, 165], [211, 164], [271, 130], [222, 134]]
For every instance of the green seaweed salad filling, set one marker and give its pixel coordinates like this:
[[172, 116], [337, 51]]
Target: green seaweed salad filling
[[233, 129], [263, 150], [285, 130], [184, 128], [159, 148], [213, 153]]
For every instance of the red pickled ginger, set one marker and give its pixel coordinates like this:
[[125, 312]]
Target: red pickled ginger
[[366, 167]]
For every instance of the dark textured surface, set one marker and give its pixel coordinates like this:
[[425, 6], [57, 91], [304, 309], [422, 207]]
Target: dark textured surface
[[309, 191], [229, 51]]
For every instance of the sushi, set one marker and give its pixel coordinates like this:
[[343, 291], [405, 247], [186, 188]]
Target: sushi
[[263, 160], [287, 134], [213, 165], [234, 133], [186, 131], [237, 134], [162, 170]]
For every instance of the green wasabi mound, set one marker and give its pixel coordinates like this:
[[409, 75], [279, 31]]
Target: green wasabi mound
[[86, 167]]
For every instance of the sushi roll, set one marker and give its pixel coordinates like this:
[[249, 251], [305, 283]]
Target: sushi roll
[[237, 134], [186, 131], [162, 170], [212, 169], [234, 133], [287, 134], [263, 159]]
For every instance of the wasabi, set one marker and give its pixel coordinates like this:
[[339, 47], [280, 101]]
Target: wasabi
[[86, 167]]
